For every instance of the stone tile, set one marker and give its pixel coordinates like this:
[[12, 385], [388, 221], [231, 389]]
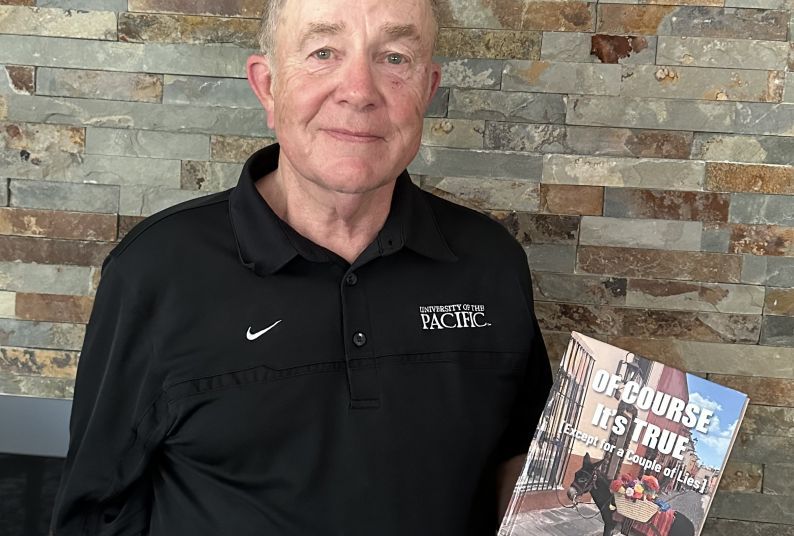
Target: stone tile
[[85, 5], [3, 108], [471, 73], [37, 362], [754, 269], [734, 148], [208, 91], [209, 176], [64, 196], [722, 53], [665, 204], [526, 137], [147, 144], [29, 249], [54, 308], [91, 168], [492, 44], [57, 224], [641, 233], [157, 28], [499, 106], [695, 21], [742, 476], [58, 22], [577, 47], [485, 194], [788, 92], [600, 319], [757, 507], [676, 82], [551, 258], [515, 15], [104, 85], [779, 480], [228, 8], [19, 79], [716, 237], [759, 4], [17, 2], [153, 58], [761, 448], [438, 106], [762, 240], [647, 173], [548, 77], [44, 278], [693, 296], [139, 115], [779, 301], [45, 335], [582, 289], [778, 331], [604, 141], [769, 420], [753, 360], [567, 199], [440, 161], [764, 209], [728, 177], [697, 326], [36, 386], [3, 192], [540, 228], [457, 133], [127, 223], [235, 148], [38, 137], [763, 391], [647, 263], [7, 304]]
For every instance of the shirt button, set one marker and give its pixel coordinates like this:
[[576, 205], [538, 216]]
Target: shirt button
[[359, 339], [351, 279]]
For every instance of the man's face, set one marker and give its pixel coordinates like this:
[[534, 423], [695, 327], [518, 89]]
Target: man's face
[[352, 82]]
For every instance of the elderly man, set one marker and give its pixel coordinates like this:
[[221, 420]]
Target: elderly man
[[323, 349]]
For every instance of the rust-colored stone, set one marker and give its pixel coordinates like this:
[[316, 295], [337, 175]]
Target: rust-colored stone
[[728, 177], [612, 48], [764, 391], [41, 138], [768, 240], [622, 18], [657, 288], [22, 78], [494, 44], [540, 228], [691, 325], [227, 8], [558, 17], [739, 476], [235, 148], [57, 224], [126, 223], [53, 251], [158, 28], [660, 144], [38, 362], [779, 301], [600, 319], [507, 12], [571, 199], [668, 205], [649, 263], [53, 308]]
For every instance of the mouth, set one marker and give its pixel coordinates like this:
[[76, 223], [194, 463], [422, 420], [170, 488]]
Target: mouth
[[354, 136]]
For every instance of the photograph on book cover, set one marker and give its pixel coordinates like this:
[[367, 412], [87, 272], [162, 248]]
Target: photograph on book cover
[[625, 445]]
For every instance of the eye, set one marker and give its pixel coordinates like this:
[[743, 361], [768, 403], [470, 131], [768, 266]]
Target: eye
[[322, 54], [395, 59]]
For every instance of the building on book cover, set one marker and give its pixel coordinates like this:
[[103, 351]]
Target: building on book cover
[[625, 445]]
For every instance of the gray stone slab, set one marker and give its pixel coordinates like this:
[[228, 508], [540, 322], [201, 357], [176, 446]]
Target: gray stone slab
[[716, 238], [741, 360], [737, 148], [3, 192], [58, 22], [457, 133], [507, 106], [762, 209], [762, 118], [147, 144], [554, 77], [209, 176], [640, 233], [41, 334], [208, 91], [139, 115], [201, 60], [678, 82], [754, 269], [576, 288], [717, 22], [760, 4], [722, 53], [92, 168], [676, 295], [471, 73], [551, 258], [45, 278], [778, 331], [37, 386], [788, 92], [486, 194], [528, 137], [85, 5], [780, 271], [779, 479], [758, 507], [634, 173], [64, 196], [107, 85], [576, 47], [440, 161]]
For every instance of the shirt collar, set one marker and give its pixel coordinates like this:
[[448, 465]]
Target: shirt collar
[[266, 243]]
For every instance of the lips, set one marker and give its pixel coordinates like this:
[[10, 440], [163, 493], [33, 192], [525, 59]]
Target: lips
[[355, 136]]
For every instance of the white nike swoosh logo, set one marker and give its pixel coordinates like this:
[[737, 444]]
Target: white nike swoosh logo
[[253, 336]]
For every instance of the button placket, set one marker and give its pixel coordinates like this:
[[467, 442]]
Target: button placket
[[362, 373]]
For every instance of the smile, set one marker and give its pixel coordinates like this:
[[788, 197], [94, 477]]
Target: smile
[[352, 136]]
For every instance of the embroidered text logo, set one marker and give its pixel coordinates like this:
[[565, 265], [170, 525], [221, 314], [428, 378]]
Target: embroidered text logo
[[454, 316]]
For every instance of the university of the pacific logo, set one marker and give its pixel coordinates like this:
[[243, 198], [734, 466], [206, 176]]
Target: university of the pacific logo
[[453, 316]]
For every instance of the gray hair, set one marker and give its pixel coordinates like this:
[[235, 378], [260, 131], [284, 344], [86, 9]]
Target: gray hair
[[272, 15]]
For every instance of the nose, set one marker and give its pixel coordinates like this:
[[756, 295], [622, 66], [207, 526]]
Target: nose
[[358, 84]]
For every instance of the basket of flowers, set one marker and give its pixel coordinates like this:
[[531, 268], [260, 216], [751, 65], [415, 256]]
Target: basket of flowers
[[636, 498]]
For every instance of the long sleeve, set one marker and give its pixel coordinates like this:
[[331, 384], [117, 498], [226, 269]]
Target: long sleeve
[[117, 417]]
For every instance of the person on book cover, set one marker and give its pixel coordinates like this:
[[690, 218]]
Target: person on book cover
[[324, 348]]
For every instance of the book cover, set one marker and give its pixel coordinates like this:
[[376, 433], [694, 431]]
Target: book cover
[[625, 445]]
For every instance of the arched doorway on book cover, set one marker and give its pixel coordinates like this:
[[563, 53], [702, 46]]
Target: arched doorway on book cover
[[548, 457]]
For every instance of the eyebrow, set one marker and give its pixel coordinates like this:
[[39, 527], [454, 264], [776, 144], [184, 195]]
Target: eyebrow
[[395, 31], [398, 31]]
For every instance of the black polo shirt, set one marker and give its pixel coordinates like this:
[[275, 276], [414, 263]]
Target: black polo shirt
[[237, 379]]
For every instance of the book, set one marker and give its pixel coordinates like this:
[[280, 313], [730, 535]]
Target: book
[[625, 445]]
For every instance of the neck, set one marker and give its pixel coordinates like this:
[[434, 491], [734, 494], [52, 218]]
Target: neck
[[345, 223]]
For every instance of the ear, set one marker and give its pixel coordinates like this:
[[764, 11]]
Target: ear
[[586, 460], [260, 78], [434, 82]]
